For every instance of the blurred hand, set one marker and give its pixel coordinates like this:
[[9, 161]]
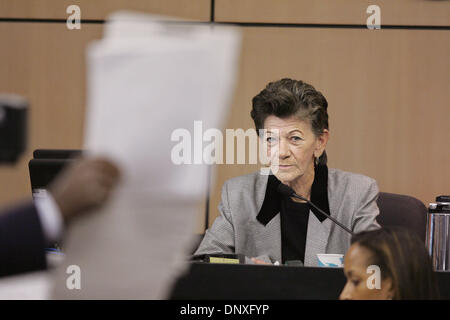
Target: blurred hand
[[83, 186]]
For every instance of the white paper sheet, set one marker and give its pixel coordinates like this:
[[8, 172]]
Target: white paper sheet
[[28, 286], [146, 79]]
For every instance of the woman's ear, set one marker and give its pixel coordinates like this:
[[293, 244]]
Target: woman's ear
[[387, 289], [321, 143]]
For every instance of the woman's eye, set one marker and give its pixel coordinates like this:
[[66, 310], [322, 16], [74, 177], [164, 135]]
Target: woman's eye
[[271, 140], [296, 139], [355, 282]]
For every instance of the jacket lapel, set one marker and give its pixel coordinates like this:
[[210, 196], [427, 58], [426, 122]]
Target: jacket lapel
[[268, 238], [267, 225], [316, 239]]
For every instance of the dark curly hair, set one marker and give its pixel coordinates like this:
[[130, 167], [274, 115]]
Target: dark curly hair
[[287, 97]]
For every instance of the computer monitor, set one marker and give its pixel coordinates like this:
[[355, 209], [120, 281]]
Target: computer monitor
[[44, 168], [56, 153], [46, 165], [44, 171]]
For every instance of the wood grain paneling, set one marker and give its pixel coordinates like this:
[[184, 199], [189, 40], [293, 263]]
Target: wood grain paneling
[[45, 63], [398, 12], [100, 9], [388, 100], [387, 92]]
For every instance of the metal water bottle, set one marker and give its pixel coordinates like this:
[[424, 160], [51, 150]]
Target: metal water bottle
[[438, 233]]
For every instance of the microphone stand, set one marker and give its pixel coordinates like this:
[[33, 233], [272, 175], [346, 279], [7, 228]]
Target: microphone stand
[[286, 190]]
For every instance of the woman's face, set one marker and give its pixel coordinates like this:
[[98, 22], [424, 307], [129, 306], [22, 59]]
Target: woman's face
[[356, 263], [294, 145]]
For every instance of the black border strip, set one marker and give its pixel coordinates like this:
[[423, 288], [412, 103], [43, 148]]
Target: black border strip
[[38, 20], [248, 24], [329, 25], [213, 11]]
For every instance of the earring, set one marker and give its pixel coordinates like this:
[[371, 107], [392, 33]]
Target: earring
[[316, 161]]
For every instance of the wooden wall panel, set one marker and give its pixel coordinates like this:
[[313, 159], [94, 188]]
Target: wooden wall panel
[[398, 12], [388, 100], [100, 9], [45, 63], [387, 89]]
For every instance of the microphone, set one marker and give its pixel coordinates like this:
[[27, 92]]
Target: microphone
[[288, 191]]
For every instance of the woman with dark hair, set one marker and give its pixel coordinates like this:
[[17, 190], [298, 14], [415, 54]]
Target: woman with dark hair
[[260, 223], [397, 257]]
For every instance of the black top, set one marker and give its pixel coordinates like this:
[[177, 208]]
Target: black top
[[294, 226], [294, 215]]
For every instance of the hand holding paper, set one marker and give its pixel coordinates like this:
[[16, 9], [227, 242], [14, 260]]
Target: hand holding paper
[[145, 80]]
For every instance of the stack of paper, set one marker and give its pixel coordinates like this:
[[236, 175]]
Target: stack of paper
[[146, 79]]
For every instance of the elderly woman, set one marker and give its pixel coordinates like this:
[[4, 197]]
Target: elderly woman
[[257, 221]]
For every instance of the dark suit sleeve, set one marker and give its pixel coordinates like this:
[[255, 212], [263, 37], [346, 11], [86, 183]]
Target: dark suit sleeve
[[22, 240]]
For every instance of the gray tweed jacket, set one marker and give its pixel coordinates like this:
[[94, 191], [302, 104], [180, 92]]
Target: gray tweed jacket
[[351, 198]]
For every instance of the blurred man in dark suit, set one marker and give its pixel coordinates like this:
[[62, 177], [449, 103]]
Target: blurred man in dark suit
[[27, 229]]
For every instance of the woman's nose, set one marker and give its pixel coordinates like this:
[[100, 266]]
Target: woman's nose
[[284, 151], [345, 294]]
